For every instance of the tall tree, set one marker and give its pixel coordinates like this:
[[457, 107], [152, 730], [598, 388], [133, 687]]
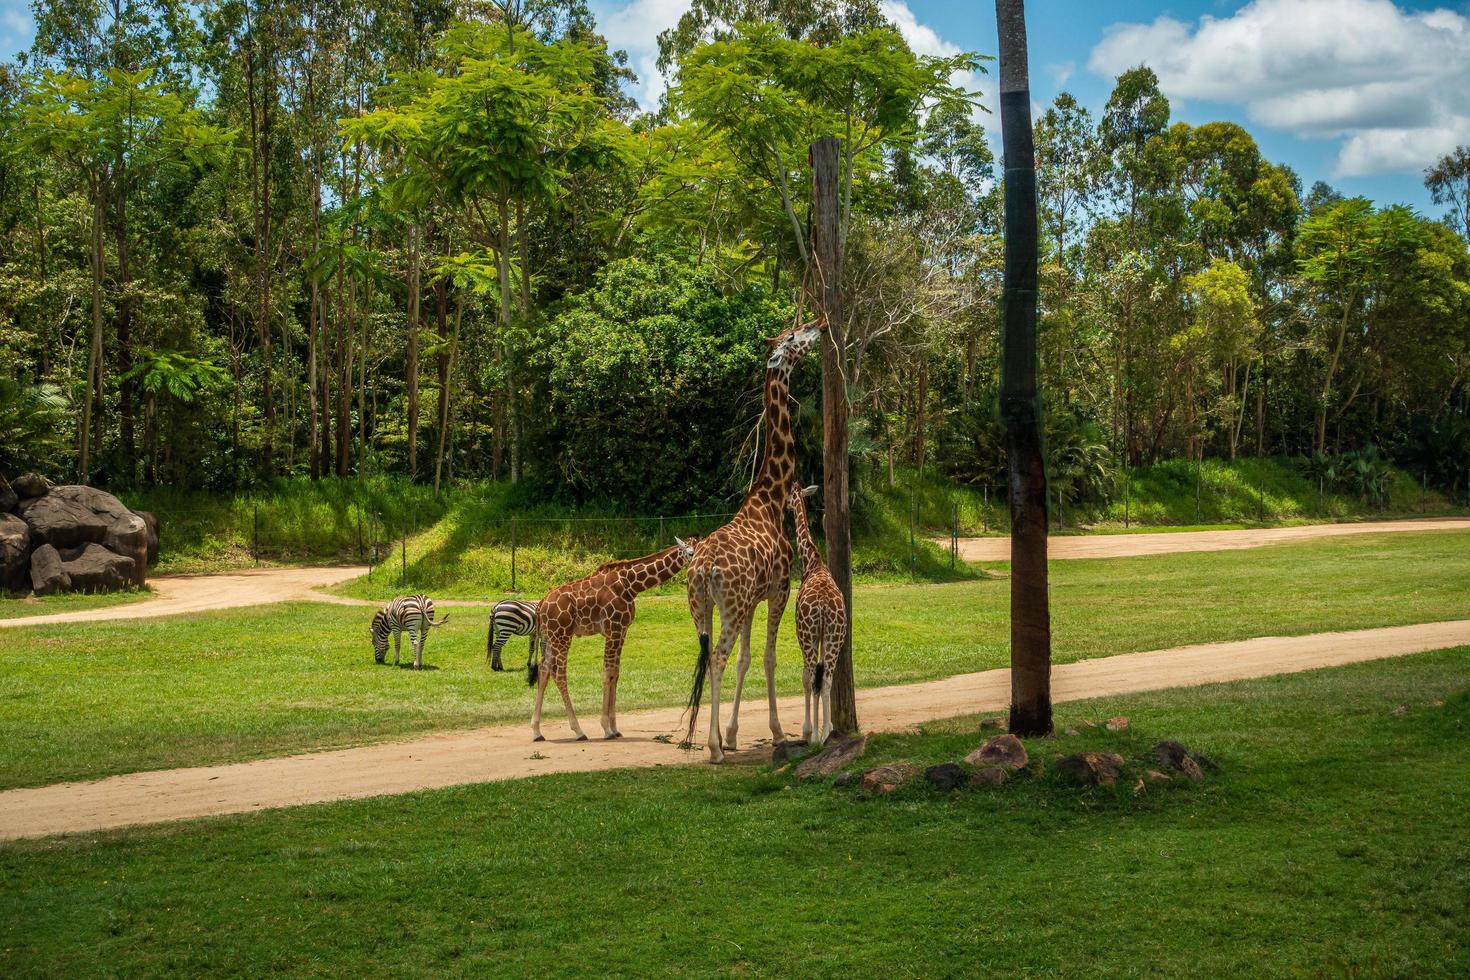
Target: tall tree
[[1020, 402]]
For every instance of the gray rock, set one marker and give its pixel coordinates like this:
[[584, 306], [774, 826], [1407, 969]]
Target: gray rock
[[1005, 751], [788, 749], [128, 536], [61, 523], [30, 485], [8, 497], [92, 568], [47, 575], [152, 524], [1091, 768], [845, 779], [97, 501], [834, 756], [886, 779], [946, 775], [15, 554], [989, 776]]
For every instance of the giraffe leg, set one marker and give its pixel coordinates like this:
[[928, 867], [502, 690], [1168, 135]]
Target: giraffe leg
[[566, 695], [718, 658], [806, 700], [741, 667], [542, 679], [775, 609], [612, 654]]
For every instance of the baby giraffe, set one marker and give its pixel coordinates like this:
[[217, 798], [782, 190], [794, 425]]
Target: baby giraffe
[[821, 625], [602, 603]]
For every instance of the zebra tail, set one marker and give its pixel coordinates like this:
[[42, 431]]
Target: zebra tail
[[697, 694], [817, 675], [441, 622]]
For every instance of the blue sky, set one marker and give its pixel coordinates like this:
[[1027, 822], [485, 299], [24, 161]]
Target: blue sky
[[1361, 93]]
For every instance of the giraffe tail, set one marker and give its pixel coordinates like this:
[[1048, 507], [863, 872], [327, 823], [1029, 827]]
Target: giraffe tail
[[818, 674], [697, 694], [533, 666]]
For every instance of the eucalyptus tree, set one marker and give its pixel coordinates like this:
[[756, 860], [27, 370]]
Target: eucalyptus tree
[[1448, 182]]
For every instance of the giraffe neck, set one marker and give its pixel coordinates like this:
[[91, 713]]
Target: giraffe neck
[[778, 463], [811, 558], [653, 570]]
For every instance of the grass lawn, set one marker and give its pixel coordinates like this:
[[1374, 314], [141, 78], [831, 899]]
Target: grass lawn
[[91, 699], [1335, 841], [50, 604]]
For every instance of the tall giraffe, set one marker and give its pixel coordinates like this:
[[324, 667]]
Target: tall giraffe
[[749, 559], [821, 625], [601, 603]]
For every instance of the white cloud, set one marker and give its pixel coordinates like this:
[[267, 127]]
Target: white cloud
[[925, 40], [16, 20], [634, 27], [1394, 86]]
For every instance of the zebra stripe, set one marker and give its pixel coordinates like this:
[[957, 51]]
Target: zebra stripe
[[411, 614], [510, 617]]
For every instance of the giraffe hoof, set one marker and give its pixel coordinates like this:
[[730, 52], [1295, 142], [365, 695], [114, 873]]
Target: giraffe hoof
[[539, 738], [581, 738], [613, 735]]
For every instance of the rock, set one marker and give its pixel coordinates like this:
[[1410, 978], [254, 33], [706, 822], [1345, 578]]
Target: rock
[[61, 523], [128, 536], [1191, 769], [993, 723], [845, 779], [989, 776], [15, 554], [1174, 755], [30, 485], [1139, 788], [92, 568], [788, 749], [946, 775], [835, 755], [1005, 751], [1117, 724], [47, 575], [1091, 768], [1400, 711], [97, 501], [152, 524], [1154, 776], [1071, 731], [1436, 703], [1087, 724], [8, 497], [886, 779]]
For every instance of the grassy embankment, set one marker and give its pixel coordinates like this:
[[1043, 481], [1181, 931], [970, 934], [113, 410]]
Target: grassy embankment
[[1333, 842], [89, 699]]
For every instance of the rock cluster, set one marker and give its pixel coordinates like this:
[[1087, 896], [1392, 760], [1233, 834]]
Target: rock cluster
[[71, 539]]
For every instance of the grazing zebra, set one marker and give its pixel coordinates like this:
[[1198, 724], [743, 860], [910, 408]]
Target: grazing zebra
[[413, 614], [510, 617]]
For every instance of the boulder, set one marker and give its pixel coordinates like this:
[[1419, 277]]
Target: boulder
[[128, 536], [1091, 768], [886, 779], [946, 775], [989, 776], [92, 568], [15, 554], [8, 497], [97, 501], [997, 723], [1005, 751], [61, 523], [1174, 755], [835, 755], [152, 524], [30, 485], [788, 749], [47, 575]]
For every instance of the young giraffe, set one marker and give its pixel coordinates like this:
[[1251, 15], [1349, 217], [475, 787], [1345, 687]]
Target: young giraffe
[[749, 559], [821, 625], [602, 603]]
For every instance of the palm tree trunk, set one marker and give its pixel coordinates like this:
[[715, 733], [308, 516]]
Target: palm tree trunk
[[1020, 398]]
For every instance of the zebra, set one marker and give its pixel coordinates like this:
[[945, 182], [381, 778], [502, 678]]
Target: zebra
[[413, 614], [511, 617]]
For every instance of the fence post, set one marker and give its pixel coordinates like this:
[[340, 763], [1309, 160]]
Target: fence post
[[954, 538], [1260, 491], [1127, 498], [255, 537], [512, 554], [403, 561], [911, 533], [1198, 463], [985, 512], [359, 532], [660, 534]]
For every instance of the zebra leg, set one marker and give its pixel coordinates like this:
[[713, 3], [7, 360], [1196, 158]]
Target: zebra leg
[[397, 638], [418, 648]]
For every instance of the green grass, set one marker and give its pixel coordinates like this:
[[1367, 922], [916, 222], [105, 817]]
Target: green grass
[[47, 605], [1335, 841], [86, 700]]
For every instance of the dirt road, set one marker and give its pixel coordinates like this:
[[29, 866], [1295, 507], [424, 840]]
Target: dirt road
[[1168, 542], [507, 752], [175, 594]]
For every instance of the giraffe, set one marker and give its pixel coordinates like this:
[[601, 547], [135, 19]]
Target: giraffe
[[601, 603], [821, 624], [749, 559]]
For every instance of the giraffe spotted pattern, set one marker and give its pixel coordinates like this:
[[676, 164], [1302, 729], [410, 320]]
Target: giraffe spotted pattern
[[821, 625]]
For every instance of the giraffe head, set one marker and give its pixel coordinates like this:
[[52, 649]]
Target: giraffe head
[[797, 500], [787, 347], [686, 547]]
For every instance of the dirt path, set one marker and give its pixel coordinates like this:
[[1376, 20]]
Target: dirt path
[[1168, 542], [175, 594], [506, 752]]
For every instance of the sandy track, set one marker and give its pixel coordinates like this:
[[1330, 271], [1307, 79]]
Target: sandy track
[[175, 594], [506, 752], [1169, 542]]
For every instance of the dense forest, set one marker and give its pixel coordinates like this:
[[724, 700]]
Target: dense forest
[[242, 239]]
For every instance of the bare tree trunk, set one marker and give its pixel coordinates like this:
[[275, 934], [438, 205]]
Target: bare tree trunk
[[445, 378], [826, 290], [90, 407], [1020, 398], [412, 379]]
